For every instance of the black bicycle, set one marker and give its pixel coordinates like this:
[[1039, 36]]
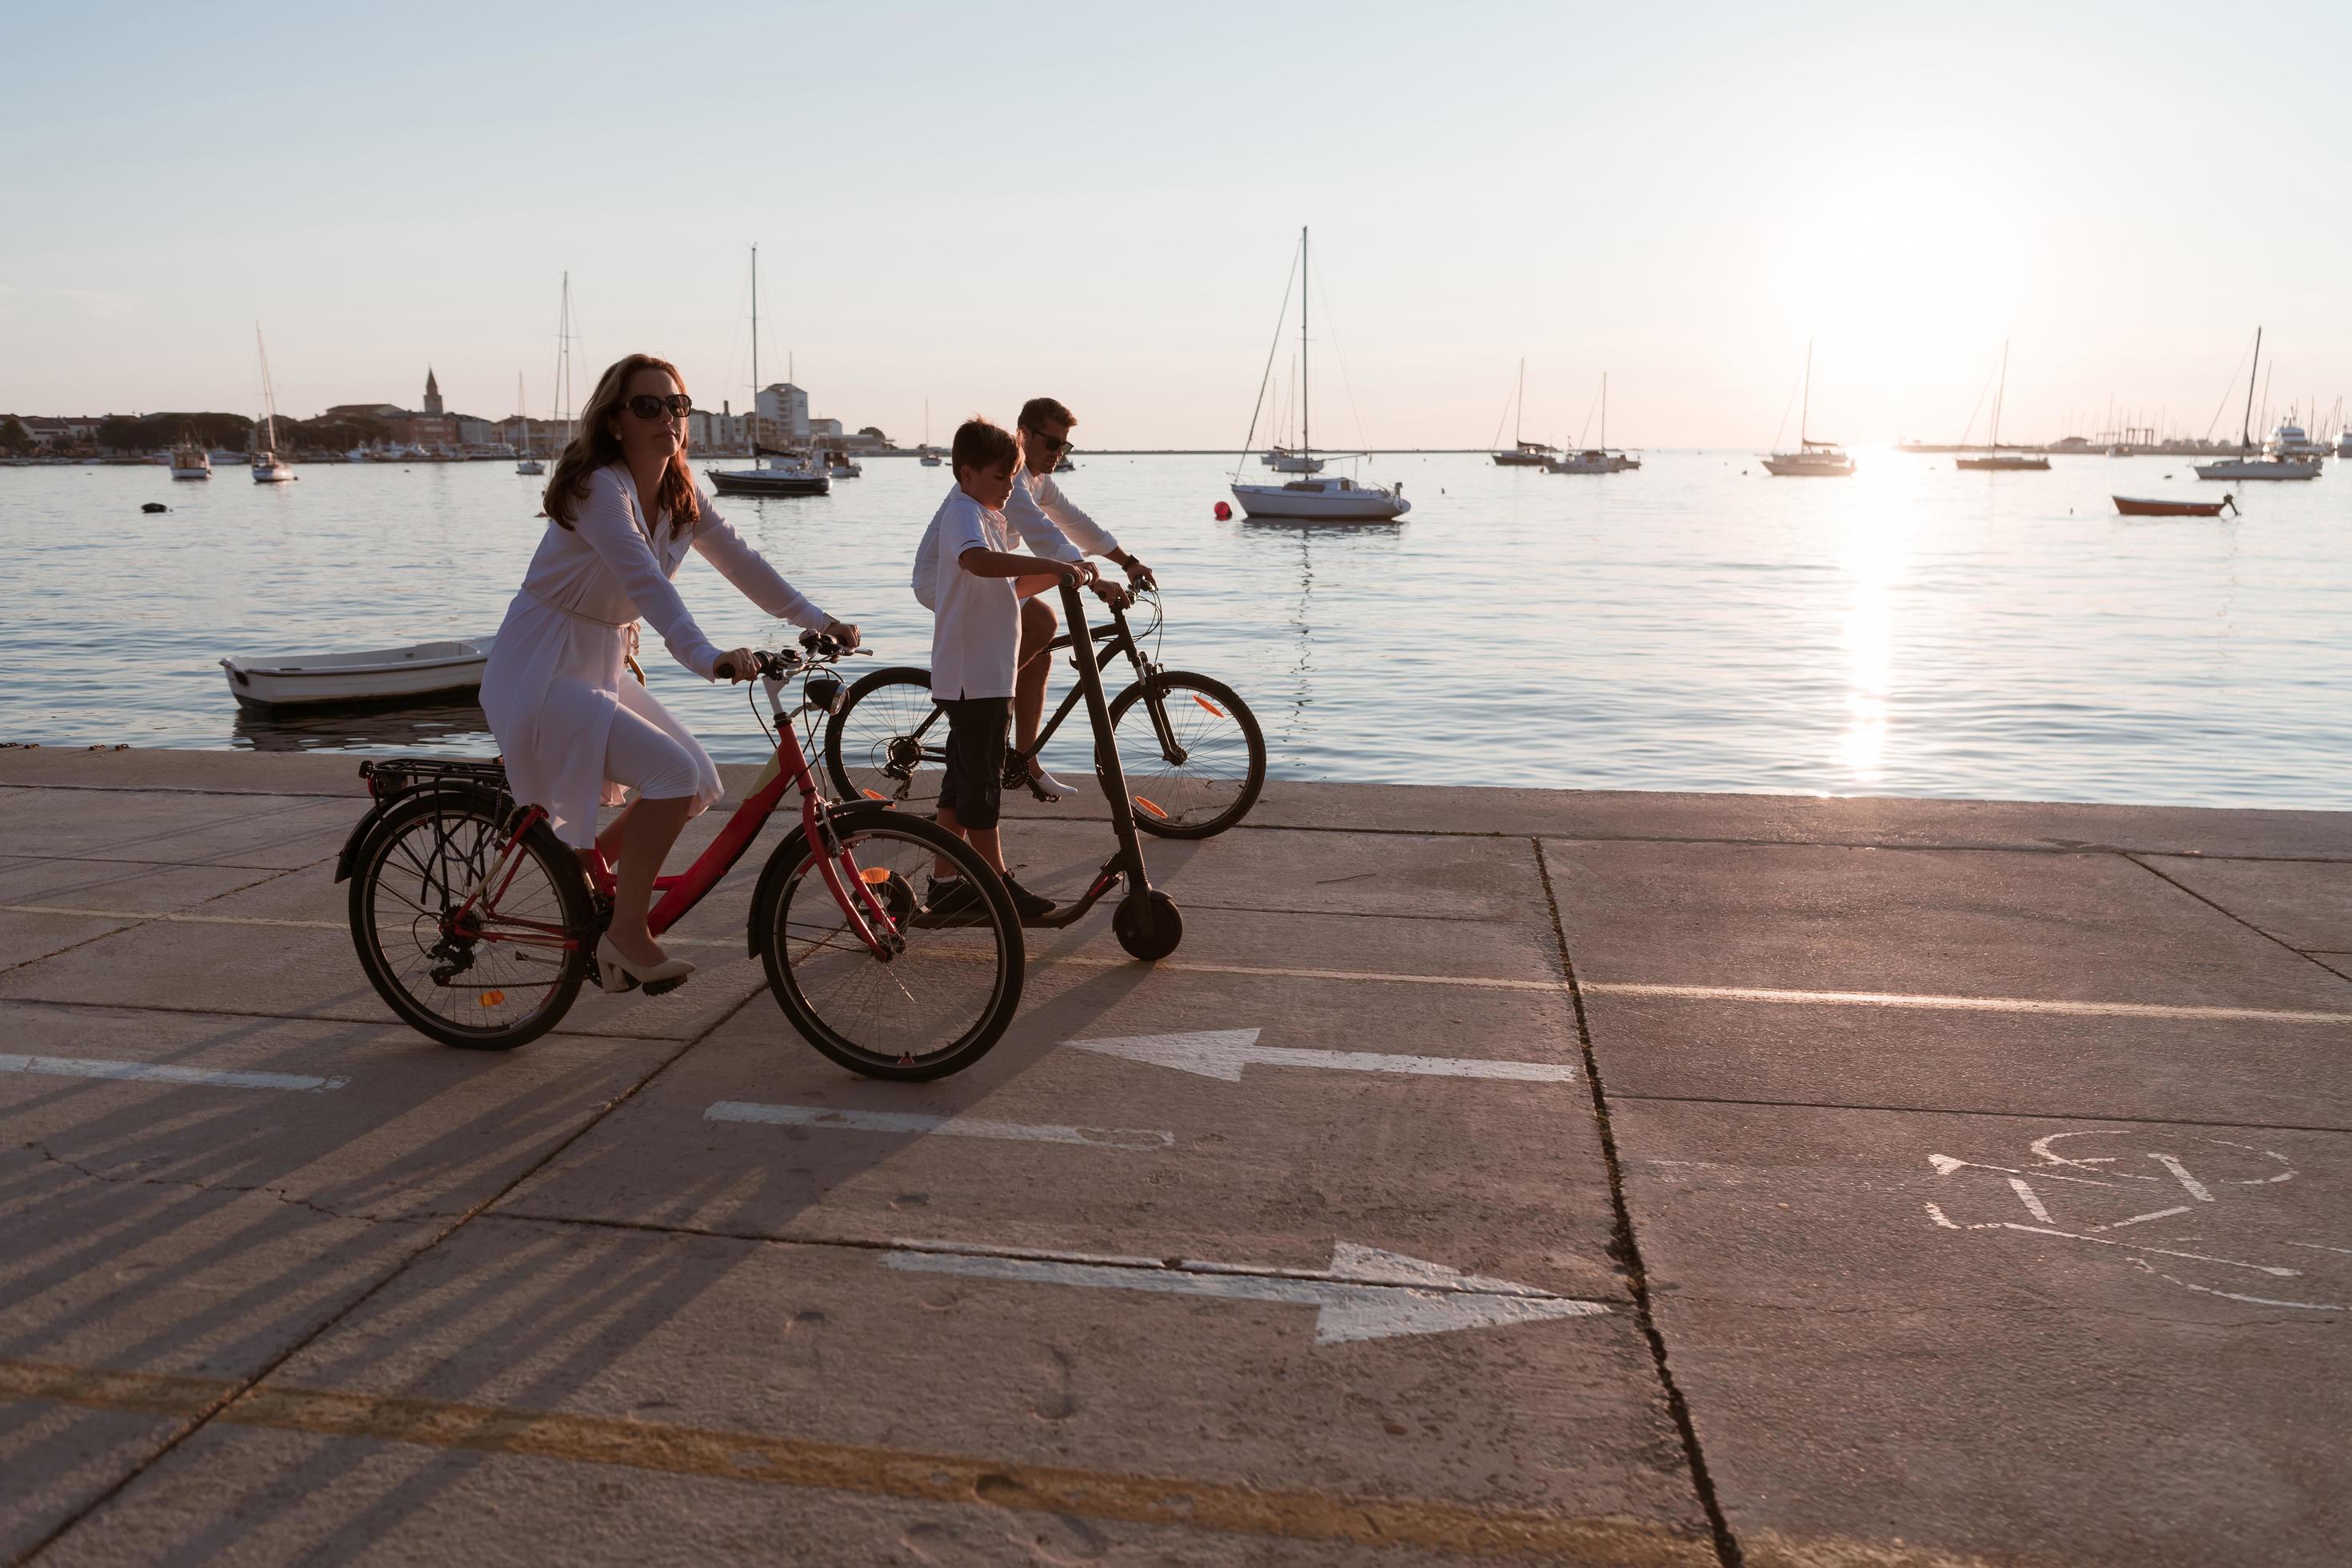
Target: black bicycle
[[1195, 755]]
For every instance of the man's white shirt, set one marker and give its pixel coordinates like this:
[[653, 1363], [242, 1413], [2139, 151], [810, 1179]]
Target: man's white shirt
[[1046, 521], [976, 621]]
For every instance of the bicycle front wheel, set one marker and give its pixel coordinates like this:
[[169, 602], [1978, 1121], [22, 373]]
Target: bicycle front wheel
[[1204, 772], [889, 741], [474, 941], [947, 983]]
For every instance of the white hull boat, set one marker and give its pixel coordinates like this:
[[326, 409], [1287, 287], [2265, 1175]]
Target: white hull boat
[[378, 675], [190, 462], [1322, 501], [2344, 445], [1822, 463], [269, 469], [2246, 465], [2261, 468], [1317, 499]]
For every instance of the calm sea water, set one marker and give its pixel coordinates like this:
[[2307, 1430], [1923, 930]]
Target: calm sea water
[[1695, 626]]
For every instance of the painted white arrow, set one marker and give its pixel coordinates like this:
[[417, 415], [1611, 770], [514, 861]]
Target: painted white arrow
[[1367, 1294], [1223, 1053]]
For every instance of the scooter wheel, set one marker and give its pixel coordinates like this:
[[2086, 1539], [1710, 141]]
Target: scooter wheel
[[1147, 931]]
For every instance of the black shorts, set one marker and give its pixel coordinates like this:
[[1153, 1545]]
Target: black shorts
[[974, 786]]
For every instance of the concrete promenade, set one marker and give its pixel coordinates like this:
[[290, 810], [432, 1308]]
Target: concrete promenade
[[1602, 1178]]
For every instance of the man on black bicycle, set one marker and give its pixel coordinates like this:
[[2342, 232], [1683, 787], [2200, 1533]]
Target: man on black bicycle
[[1051, 526]]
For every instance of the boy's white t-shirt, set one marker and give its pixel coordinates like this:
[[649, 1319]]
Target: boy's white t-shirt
[[976, 621]]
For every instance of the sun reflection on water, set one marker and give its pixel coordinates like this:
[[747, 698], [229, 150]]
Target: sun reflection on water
[[1874, 557]]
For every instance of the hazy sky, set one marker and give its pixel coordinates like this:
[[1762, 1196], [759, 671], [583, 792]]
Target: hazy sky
[[974, 204]]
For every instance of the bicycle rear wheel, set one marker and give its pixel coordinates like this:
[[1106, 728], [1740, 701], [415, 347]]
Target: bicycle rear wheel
[[1218, 766], [946, 987], [500, 973], [890, 740]]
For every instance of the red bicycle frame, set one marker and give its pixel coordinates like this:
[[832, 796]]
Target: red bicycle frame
[[788, 768]]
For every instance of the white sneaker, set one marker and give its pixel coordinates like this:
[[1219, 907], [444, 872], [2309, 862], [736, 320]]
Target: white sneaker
[[1043, 782]]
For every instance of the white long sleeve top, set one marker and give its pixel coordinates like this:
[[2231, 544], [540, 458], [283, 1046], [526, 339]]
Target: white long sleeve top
[[1046, 521], [614, 564]]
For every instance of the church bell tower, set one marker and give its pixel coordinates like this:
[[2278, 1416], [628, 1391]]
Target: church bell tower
[[431, 394]]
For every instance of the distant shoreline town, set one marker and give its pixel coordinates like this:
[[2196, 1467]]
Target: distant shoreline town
[[388, 433]]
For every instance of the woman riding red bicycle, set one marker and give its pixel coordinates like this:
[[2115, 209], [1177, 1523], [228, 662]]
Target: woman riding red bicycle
[[622, 508]]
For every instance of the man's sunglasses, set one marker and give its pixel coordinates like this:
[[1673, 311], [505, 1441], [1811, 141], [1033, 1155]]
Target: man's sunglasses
[[1050, 445], [645, 405]]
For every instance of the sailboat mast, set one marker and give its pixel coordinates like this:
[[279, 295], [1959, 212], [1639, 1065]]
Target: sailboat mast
[[2246, 426], [1805, 419], [563, 337], [1604, 411], [1306, 439], [1998, 393], [1520, 405], [755, 359], [269, 400]]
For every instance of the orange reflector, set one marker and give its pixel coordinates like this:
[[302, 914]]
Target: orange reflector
[[1209, 705], [493, 998], [1153, 809], [875, 795], [874, 876]]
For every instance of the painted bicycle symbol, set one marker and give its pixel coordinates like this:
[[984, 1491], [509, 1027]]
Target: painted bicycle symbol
[[2109, 1184]]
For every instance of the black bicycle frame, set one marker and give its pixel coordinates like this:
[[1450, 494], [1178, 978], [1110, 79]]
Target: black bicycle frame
[[1127, 860]]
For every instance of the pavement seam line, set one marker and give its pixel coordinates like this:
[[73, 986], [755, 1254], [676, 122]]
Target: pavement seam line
[[237, 1391], [1198, 1268], [1628, 1248], [1974, 1110], [1430, 1524], [2210, 903], [320, 1019]]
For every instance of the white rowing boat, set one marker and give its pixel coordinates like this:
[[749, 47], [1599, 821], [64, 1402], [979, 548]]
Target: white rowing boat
[[378, 675]]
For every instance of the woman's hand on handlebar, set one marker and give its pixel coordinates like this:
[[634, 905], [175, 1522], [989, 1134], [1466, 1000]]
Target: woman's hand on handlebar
[[740, 664]]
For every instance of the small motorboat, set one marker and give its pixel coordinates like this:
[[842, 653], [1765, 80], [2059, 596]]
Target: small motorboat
[[155, 506], [378, 675], [2136, 506], [775, 474]]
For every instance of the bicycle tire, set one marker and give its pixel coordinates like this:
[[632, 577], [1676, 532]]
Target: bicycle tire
[[847, 969], [468, 820], [883, 735], [1187, 813]]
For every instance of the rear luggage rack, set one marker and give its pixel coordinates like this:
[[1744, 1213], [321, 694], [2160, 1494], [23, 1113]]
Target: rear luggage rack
[[389, 777]]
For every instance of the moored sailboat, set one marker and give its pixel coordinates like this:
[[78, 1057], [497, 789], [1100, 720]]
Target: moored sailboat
[[775, 472], [1811, 459], [1597, 460], [1993, 460], [268, 468], [525, 464], [1521, 452], [1321, 498], [2246, 465]]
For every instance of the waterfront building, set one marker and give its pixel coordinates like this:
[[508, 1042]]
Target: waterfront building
[[780, 415], [431, 428]]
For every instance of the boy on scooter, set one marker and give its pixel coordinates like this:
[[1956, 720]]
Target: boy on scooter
[[975, 637]]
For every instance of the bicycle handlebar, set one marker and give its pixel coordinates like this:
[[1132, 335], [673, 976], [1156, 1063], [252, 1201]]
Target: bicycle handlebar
[[816, 648]]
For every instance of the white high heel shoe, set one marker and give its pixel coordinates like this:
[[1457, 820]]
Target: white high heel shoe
[[618, 974]]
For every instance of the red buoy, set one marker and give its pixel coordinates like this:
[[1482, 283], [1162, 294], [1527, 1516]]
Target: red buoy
[[1224, 512]]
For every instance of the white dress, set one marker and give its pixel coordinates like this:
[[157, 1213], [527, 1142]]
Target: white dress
[[556, 677]]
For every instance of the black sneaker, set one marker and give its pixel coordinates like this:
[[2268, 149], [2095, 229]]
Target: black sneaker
[[1029, 906], [950, 900]]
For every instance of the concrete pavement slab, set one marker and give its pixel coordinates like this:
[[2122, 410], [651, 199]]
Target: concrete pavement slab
[[120, 885], [360, 1120], [185, 828], [1047, 1145], [2193, 1070], [59, 1460], [2051, 1339], [1558, 1422], [2306, 904], [236, 1493], [298, 973], [27, 939], [2087, 927]]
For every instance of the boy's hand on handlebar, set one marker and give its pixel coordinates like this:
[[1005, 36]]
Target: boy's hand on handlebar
[[1078, 573]]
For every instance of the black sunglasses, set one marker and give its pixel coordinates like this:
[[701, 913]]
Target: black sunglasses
[[1049, 443], [645, 405]]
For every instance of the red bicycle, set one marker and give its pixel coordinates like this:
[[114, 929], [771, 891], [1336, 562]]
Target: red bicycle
[[476, 926]]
